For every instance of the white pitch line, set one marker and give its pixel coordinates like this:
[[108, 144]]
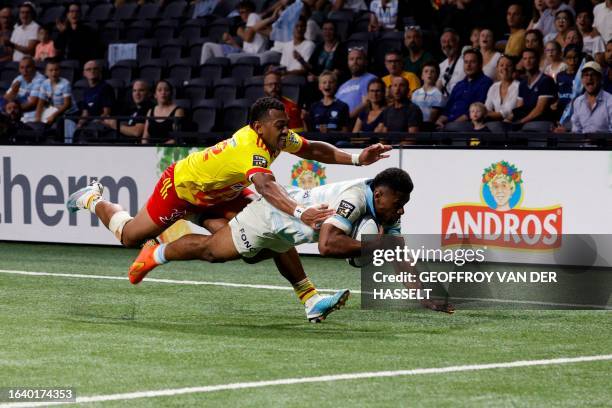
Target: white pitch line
[[323, 378], [274, 287]]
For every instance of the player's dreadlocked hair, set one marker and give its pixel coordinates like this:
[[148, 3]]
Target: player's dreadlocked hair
[[394, 178], [261, 107]]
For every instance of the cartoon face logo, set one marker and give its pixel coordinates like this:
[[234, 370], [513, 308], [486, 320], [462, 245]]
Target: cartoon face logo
[[307, 174], [502, 186]]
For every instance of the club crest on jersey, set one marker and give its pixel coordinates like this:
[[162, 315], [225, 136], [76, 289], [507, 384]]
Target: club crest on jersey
[[259, 161], [345, 209]]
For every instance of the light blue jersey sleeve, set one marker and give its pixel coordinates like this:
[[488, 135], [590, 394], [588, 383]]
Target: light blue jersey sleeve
[[350, 206]]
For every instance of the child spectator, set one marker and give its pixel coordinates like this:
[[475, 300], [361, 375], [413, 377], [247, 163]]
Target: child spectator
[[329, 114], [429, 98], [478, 113], [554, 61], [45, 47]]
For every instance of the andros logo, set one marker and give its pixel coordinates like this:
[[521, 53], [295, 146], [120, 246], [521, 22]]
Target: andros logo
[[498, 220]]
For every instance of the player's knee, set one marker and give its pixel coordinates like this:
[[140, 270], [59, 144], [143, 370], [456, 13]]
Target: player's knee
[[130, 242]]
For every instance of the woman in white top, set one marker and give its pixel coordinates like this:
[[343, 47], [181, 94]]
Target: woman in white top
[[502, 96], [554, 59], [489, 55], [593, 43]]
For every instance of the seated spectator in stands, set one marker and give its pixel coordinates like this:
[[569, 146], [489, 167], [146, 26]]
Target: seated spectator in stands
[[554, 60], [12, 123], [330, 55], [371, 115], [594, 44], [472, 89], [603, 19], [295, 52], [141, 104], [272, 88], [355, 5], [45, 47], [564, 20], [253, 42], [77, 41], [607, 78], [401, 115], [537, 92], [537, 9], [451, 69], [565, 79], [516, 41], [478, 114], [546, 23], [502, 96], [353, 92], [394, 66], [24, 89], [55, 96], [429, 98], [593, 109], [329, 114], [6, 30], [98, 98], [24, 37], [416, 56], [165, 117], [534, 41], [384, 15], [489, 55]]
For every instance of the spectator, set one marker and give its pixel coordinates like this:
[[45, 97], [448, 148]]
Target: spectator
[[6, 30], [489, 55], [24, 37], [473, 88], [607, 79], [537, 92], [565, 78], [24, 89], [451, 69], [593, 109], [401, 115], [252, 40], [272, 88], [429, 98], [55, 96], [594, 44], [45, 47], [603, 19], [564, 20], [159, 131], [371, 115], [77, 41], [330, 55], [478, 113], [516, 41], [535, 41], [417, 56], [574, 37], [554, 60], [133, 129], [546, 23], [13, 124], [474, 38], [296, 52], [328, 114], [355, 5], [384, 14], [502, 97], [353, 92], [99, 97], [538, 8], [394, 64]]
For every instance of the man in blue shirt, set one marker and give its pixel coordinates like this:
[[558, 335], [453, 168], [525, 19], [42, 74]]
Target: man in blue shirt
[[99, 98], [473, 88], [593, 109], [353, 91]]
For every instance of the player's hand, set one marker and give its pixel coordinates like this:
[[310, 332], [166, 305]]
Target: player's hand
[[315, 215], [374, 153], [438, 306]]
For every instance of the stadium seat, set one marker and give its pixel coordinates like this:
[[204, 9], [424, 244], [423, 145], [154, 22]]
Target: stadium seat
[[291, 91], [137, 30], [175, 10], [235, 114], [9, 73], [51, 15], [124, 70], [183, 103], [180, 72], [165, 29], [100, 13], [125, 12], [111, 33], [342, 28], [148, 11], [118, 86], [223, 8], [146, 48], [225, 89], [195, 89], [190, 31], [221, 62], [342, 14], [171, 50], [217, 28], [294, 80], [151, 70], [205, 115], [252, 92], [68, 73]]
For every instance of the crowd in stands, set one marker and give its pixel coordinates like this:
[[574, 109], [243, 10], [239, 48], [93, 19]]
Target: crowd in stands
[[144, 71]]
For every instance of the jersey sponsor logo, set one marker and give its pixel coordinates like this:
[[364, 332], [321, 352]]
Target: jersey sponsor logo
[[308, 174], [245, 240], [345, 209], [259, 161], [498, 220]]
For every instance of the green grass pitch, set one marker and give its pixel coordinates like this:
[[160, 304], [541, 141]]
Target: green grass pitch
[[107, 337]]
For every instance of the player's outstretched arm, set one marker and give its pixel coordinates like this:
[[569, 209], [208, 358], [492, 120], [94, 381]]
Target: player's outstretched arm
[[327, 153], [275, 194]]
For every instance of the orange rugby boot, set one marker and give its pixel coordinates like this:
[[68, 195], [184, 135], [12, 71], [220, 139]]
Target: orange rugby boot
[[144, 263]]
